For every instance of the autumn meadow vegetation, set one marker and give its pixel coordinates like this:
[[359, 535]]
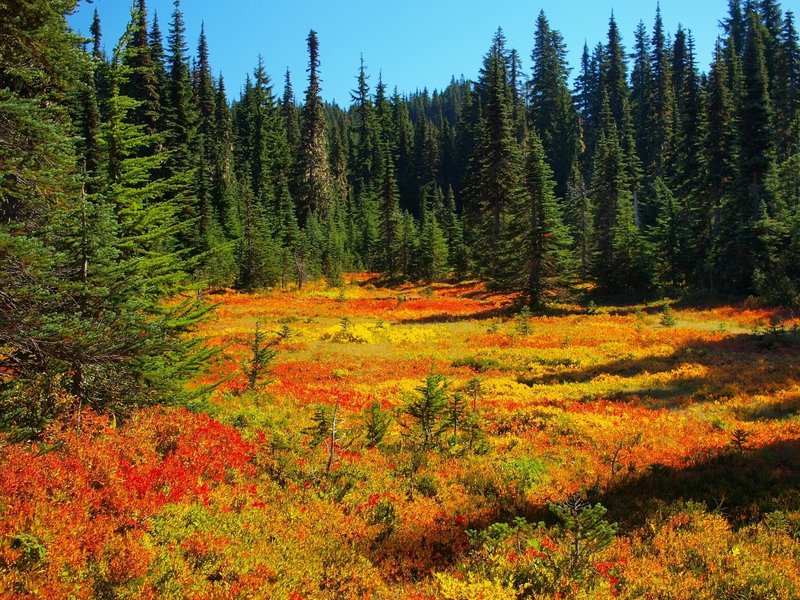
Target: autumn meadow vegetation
[[432, 442]]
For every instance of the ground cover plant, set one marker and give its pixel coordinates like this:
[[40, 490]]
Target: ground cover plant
[[268, 347], [424, 442]]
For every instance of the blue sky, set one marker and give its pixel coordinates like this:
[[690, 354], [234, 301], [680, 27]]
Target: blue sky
[[415, 43]]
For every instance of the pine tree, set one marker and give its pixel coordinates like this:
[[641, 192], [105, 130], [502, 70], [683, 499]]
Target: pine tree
[[614, 75], [496, 161], [366, 160], [667, 234], [621, 257], [735, 26], [661, 123], [787, 91], [587, 92], [180, 129], [288, 107], [158, 58], [579, 213], [313, 170], [541, 258], [433, 250], [720, 161], [106, 258], [552, 109], [755, 117], [426, 160], [427, 409], [408, 247], [216, 256], [257, 255], [390, 222], [642, 95], [287, 234], [687, 151], [142, 83], [181, 121], [95, 30]]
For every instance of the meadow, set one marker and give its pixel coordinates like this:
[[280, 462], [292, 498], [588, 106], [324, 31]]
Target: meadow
[[432, 442]]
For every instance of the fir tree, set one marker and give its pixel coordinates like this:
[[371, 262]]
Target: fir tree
[[579, 213], [552, 108], [142, 83], [496, 160], [390, 222], [642, 95], [313, 170], [619, 263], [660, 126], [433, 250], [541, 257], [755, 117], [289, 112]]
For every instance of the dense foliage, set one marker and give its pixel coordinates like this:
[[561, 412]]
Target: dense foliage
[[444, 447], [650, 175], [414, 433]]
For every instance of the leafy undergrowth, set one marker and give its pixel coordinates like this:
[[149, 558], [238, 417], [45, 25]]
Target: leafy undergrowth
[[598, 453]]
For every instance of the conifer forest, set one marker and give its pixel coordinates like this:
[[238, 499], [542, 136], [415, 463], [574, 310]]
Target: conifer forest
[[533, 335]]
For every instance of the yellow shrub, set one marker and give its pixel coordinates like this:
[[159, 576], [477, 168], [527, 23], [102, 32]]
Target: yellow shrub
[[353, 334], [473, 588]]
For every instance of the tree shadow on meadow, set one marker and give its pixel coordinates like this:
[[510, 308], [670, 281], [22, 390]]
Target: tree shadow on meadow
[[742, 484], [742, 363], [503, 312]]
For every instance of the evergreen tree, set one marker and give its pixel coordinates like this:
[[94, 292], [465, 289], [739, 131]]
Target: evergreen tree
[[552, 109], [720, 164], [257, 255], [756, 140], [390, 222], [579, 214], [667, 234], [642, 95], [216, 257], [181, 121], [83, 319], [496, 161], [620, 262], [735, 26], [433, 250], [408, 247], [687, 161], [660, 127], [180, 128], [588, 87], [287, 234], [289, 113], [142, 83], [427, 409], [313, 170], [787, 91], [614, 75], [539, 241], [158, 58], [366, 160]]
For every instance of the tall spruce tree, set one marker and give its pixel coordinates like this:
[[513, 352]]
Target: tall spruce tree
[[621, 259], [314, 184], [540, 256], [142, 83], [720, 161], [660, 129], [552, 108], [496, 161]]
